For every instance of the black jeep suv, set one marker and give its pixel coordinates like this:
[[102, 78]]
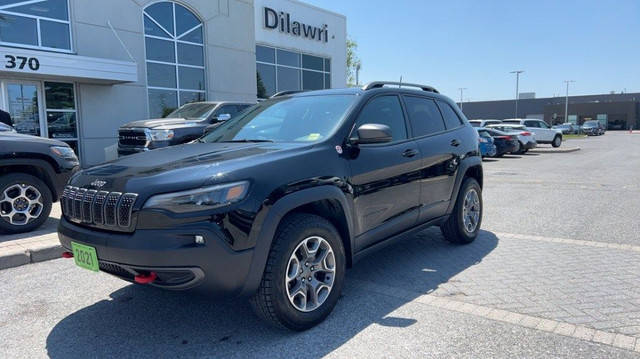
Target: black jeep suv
[[33, 173], [277, 202]]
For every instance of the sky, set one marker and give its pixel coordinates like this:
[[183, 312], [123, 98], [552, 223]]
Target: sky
[[475, 45]]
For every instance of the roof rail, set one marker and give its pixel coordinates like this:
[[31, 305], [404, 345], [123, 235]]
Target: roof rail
[[284, 93], [379, 84]]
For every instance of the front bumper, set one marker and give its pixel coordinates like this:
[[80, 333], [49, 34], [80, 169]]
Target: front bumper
[[179, 262]]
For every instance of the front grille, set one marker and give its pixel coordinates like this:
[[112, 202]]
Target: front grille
[[132, 138], [103, 209]]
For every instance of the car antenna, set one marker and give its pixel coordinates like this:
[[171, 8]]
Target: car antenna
[[400, 85]]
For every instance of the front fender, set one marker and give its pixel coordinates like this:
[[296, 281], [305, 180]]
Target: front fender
[[270, 217]]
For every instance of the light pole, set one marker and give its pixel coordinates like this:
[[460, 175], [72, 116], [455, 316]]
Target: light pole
[[566, 103], [461, 89], [517, 72]]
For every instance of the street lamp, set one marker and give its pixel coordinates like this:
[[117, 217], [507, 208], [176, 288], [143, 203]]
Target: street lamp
[[461, 89], [517, 72], [566, 103]]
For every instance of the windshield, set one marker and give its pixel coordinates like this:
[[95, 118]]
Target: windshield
[[591, 123], [196, 110], [298, 119]]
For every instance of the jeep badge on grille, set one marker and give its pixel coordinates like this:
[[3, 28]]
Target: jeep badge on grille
[[98, 183]]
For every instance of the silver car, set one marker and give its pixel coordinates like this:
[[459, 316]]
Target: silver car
[[526, 138]]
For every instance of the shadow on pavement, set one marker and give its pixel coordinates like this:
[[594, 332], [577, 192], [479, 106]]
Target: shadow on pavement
[[49, 227], [147, 322]]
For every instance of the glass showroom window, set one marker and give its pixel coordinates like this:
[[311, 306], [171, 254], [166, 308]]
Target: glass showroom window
[[61, 111], [281, 70], [35, 24], [175, 57]]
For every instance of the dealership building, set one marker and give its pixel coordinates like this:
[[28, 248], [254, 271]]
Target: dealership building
[[76, 70], [616, 111]]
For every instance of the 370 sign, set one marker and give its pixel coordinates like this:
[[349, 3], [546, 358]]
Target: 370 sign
[[21, 62]]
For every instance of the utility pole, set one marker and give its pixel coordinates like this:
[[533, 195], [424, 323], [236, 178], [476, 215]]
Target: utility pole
[[461, 89], [517, 72], [566, 103]]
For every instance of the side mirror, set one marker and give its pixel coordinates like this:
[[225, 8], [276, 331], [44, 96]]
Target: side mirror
[[371, 133], [223, 117]]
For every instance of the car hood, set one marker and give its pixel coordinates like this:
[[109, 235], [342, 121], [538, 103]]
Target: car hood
[[7, 137], [182, 167], [161, 123]]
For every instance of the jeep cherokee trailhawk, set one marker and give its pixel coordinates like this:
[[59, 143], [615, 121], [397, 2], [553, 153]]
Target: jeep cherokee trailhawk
[[277, 202]]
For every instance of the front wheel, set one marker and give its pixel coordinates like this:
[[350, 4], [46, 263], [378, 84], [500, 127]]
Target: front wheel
[[463, 225], [557, 141], [304, 274], [25, 203]]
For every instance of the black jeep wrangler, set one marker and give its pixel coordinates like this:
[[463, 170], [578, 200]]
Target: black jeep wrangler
[[277, 202], [33, 173]]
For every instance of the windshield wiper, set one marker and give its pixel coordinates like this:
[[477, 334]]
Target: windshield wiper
[[248, 140]]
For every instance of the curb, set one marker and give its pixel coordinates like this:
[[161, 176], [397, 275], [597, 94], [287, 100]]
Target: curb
[[554, 150], [17, 255]]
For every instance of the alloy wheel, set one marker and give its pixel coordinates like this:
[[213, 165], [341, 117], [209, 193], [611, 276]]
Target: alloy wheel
[[21, 204]]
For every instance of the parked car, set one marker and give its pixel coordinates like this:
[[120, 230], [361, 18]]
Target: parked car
[[486, 144], [544, 132], [483, 123], [526, 138], [6, 128], [33, 173], [567, 128], [504, 142], [593, 128], [276, 202], [183, 125]]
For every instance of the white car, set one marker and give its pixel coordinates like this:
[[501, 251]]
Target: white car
[[483, 123], [526, 138], [544, 132]]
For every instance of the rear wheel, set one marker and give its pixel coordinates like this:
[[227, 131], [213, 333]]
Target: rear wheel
[[25, 203], [463, 225], [557, 141], [304, 274]]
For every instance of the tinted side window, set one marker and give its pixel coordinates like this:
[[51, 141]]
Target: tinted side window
[[451, 118], [531, 124], [424, 115], [384, 110], [228, 109]]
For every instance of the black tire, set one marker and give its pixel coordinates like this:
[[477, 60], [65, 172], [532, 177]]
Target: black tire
[[17, 215], [521, 151], [272, 302], [454, 229], [557, 141]]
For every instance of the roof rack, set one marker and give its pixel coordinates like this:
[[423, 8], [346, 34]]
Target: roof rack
[[379, 84], [284, 93]]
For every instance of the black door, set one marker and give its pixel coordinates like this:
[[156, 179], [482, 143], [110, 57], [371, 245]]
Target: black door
[[385, 177], [433, 124]]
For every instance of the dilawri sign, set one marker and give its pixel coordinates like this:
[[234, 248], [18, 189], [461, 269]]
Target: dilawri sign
[[282, 21]]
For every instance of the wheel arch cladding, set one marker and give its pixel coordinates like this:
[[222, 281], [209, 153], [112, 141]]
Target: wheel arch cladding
[[326, 201]]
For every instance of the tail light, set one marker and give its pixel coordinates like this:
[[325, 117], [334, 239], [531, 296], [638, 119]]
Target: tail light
[[504, 137], [526, 133], [482, 140]]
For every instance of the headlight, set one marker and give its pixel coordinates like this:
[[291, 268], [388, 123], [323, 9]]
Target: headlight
[[200, 199], [65, 152], [160, 135]]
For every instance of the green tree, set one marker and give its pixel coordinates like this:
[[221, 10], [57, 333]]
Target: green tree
[[353, 61], [262, 90]]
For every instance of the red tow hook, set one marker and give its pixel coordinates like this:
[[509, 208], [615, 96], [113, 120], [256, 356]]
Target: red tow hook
[[145, 278], [67, 255]]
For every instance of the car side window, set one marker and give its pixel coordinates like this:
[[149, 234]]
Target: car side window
[[532, 124], [384, 110], [451, 118], [228, 109], [543, 124], [424, 116]]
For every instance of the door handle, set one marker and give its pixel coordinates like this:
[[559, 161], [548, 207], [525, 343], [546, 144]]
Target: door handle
[[410, 153], [455, 143]]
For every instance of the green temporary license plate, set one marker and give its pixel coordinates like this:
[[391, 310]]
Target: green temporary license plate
[[85, 256]]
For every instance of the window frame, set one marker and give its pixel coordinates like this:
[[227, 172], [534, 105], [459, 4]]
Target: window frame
[[176, 65], [38, 19]]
